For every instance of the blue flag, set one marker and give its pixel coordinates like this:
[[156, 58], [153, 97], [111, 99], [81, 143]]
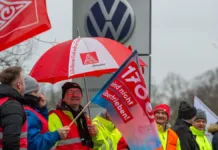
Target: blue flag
[[126, 99]]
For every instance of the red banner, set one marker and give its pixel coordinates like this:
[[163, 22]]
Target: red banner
[[132, 77], [127, 102], [21, 20]]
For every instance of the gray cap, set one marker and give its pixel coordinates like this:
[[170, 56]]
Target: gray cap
[[201, 115], [31, 84]]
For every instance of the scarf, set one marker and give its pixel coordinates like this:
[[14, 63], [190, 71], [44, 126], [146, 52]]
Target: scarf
[[81, 123]]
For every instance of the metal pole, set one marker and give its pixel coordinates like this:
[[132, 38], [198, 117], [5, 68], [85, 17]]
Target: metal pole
[[87, 96], [86, 89]]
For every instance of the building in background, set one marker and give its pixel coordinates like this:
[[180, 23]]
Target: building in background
[[128, 22]]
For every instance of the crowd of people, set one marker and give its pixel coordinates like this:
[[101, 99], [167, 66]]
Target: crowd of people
[[26, 124]]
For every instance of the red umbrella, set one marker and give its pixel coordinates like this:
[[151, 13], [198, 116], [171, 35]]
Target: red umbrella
[[80, 57]]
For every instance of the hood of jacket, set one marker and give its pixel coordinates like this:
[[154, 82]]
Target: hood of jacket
[[8, 91], [213, 128]]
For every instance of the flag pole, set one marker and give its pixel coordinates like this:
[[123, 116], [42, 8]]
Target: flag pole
[[74, 120]]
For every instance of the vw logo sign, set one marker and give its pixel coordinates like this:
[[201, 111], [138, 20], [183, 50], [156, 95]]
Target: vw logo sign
[[112, 19]]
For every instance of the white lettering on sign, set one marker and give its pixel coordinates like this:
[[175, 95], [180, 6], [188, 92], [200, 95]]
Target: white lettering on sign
[[121, 109], [132, 78], [123, 91], [132, 75], [144, 91]]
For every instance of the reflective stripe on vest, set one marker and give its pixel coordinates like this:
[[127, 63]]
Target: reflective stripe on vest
[[23, 135], [103, 146], [72, 140], [69, 141], [44, 122]]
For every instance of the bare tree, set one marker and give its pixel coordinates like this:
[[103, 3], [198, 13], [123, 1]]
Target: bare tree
[[172, 92], [156, 95], [173, 85], [206, 88], [16, 55], [175, 89]]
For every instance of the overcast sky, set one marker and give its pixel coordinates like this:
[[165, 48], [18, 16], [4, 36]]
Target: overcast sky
[[183, 35]]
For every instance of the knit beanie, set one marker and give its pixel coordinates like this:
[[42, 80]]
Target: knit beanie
[[31, 84], [201, 115], [164, 108], [69, 85], [186, 111]]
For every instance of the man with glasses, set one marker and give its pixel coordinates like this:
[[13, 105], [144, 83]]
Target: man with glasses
[[79, 136]]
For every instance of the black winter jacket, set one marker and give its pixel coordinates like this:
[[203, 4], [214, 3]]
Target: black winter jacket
[[12, 117], [187, 140], [213, 129]]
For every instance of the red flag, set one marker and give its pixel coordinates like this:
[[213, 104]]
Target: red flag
[[126, 99], [21, 20]]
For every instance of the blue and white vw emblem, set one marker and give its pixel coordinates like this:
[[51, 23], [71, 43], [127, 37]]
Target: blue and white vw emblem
[[112, 19]]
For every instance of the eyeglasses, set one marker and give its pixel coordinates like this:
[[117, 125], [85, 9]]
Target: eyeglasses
[[74, 93]]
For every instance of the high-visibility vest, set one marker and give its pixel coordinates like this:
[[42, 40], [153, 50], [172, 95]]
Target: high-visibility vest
[[172, 140], [72, 141], [23, 135], [43, 121], [201, 139], [108, 132]]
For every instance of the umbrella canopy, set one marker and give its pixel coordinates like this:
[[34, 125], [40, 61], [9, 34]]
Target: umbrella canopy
[[80, 57]]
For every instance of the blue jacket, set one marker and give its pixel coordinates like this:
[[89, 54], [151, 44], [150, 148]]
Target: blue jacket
[[36, 140]]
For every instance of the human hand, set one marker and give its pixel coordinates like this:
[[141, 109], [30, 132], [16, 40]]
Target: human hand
[[42, 102], [63, 132], [93, 131]]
